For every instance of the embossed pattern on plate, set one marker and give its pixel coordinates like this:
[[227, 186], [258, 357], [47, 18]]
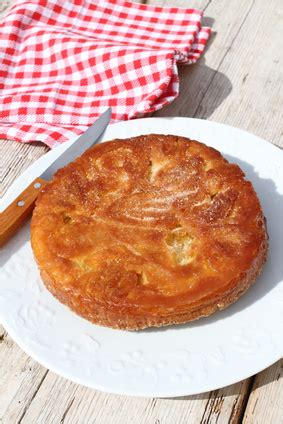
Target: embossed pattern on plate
[[200, 356]]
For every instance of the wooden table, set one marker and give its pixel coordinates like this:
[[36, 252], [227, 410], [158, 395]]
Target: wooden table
[[237, 82]]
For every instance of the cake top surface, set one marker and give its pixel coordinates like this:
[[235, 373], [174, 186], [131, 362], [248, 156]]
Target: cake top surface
[[153, 222]]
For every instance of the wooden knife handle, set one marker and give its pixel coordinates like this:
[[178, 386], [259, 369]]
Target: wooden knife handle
[[18, 211]]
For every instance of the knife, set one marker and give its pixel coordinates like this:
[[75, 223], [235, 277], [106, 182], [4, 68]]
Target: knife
[[16, 213]]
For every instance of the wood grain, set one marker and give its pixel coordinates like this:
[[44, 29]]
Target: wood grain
[[226, 18], [20, 378], [13, 217], [15, 158], [58, 400], [254, 65], [242, 64], [4, 4], [265, 404], [238, 82]]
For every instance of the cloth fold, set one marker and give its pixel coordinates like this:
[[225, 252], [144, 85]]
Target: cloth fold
[[62, 64]]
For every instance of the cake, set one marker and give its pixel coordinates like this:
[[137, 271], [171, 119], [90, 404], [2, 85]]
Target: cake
[[148, 231]]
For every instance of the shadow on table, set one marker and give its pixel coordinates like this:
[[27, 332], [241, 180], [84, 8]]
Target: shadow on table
[[233, 390], [208, 21], [196, 81], [270, 374]]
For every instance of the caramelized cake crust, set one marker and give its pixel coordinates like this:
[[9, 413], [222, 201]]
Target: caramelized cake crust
[[149, 231]]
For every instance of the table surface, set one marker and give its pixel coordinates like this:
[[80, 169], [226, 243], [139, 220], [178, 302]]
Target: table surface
[[237, 82]]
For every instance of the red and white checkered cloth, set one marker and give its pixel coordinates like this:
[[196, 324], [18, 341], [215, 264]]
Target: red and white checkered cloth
[[63, 63]]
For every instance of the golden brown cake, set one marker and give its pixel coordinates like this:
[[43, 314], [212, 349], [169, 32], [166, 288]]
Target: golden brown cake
[[149, 231]]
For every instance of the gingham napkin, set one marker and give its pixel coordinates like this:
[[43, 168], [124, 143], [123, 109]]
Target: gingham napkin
[[63, 63]]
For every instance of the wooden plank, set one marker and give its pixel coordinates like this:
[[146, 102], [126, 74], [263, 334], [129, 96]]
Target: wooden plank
[[20, 378], [265, 403], [4, 4], [197, 4], [226, 18], [15, 158], [59, 400], [248, 49], [254, 65]]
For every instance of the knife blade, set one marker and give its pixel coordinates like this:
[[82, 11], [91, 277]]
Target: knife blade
[[16, 213], [84, 142]]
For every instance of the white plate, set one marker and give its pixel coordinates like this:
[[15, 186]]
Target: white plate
[[182, 360]]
